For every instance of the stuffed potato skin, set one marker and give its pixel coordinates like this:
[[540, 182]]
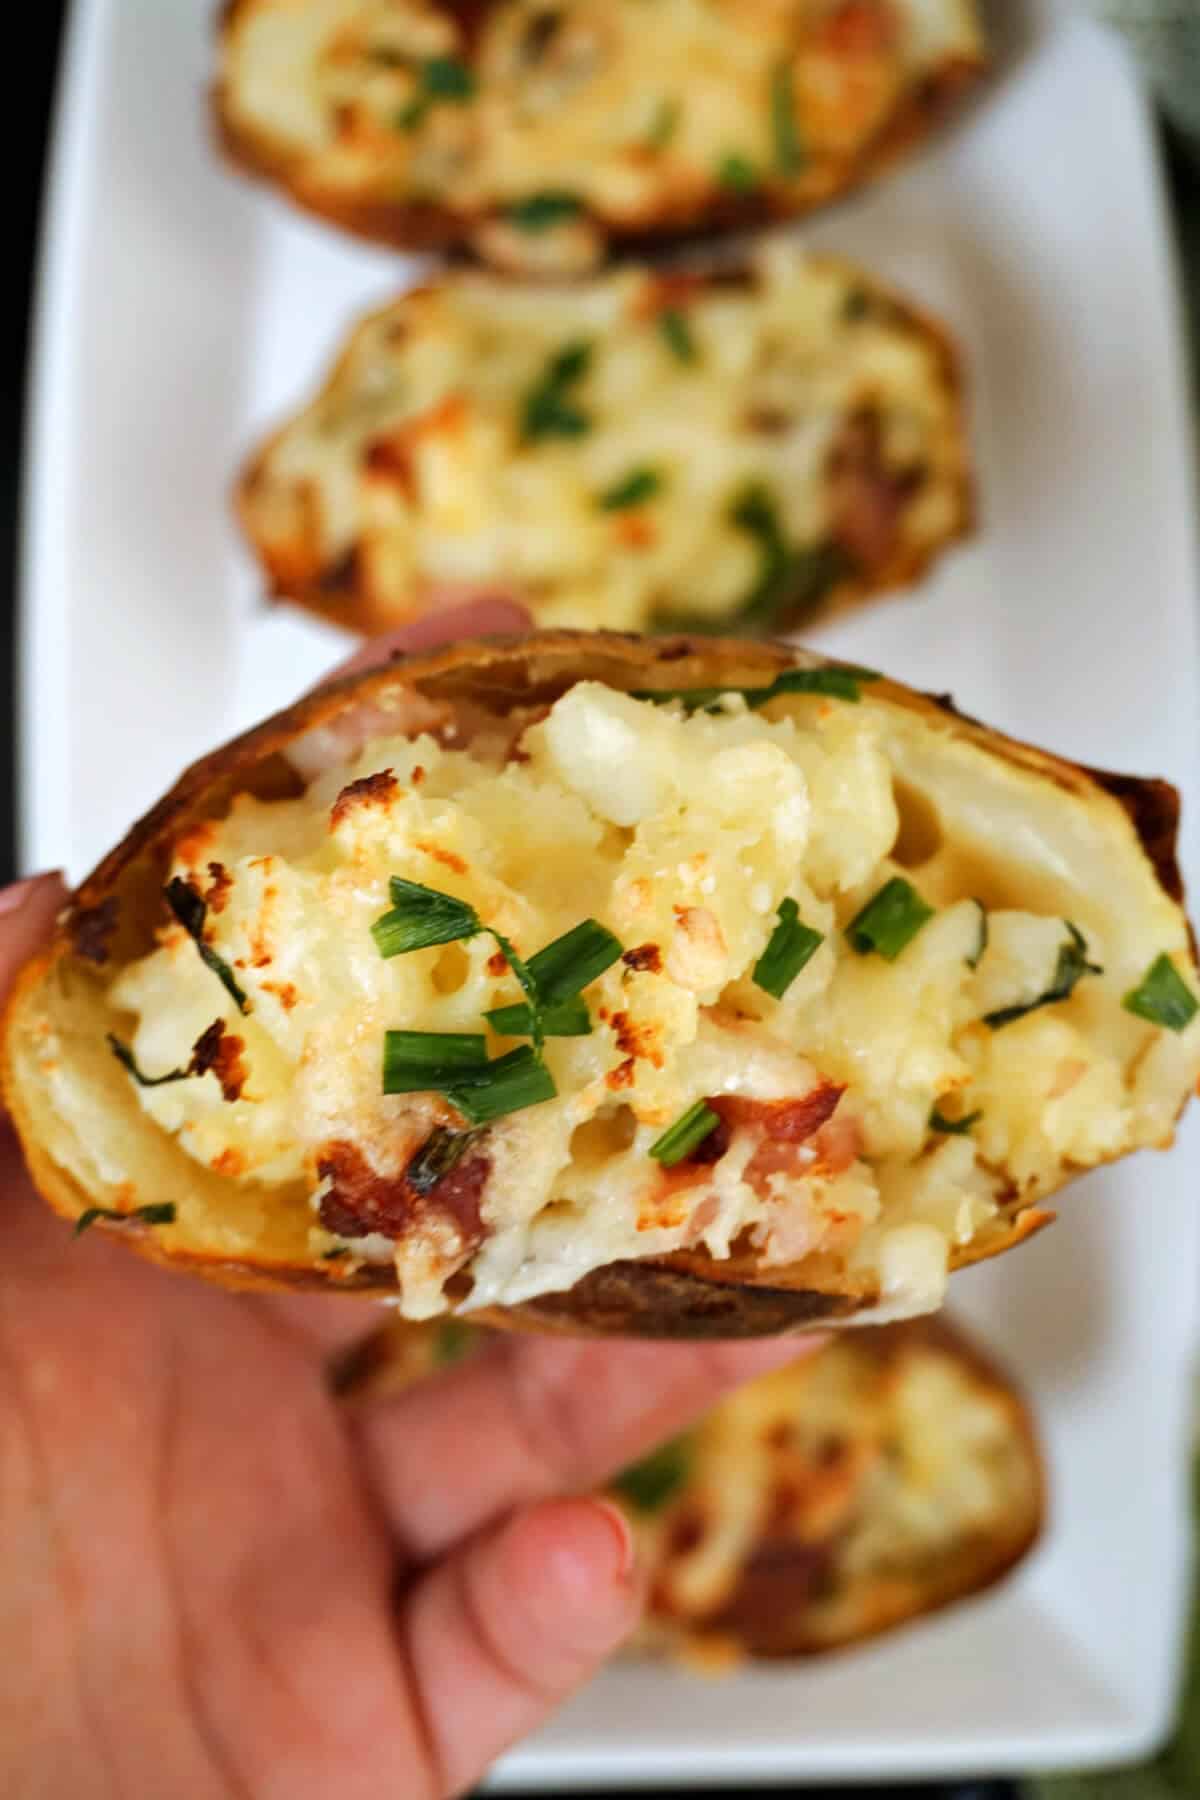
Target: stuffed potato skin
[[435, 127], [61, 996]]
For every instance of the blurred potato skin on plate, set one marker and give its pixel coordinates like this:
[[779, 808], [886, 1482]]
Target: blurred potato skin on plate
[[895, 1472], [745, 447], [542, 137], [958, 975]]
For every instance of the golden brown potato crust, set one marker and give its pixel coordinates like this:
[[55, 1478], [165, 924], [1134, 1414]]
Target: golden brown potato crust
[[112, 916]]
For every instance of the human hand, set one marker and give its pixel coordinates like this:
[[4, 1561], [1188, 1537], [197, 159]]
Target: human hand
[[216, 1581]]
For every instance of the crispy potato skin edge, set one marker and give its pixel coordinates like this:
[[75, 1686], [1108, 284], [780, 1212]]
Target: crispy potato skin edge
[[684, 1295]]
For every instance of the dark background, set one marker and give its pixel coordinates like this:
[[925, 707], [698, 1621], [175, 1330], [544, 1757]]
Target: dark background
[[41, 25]]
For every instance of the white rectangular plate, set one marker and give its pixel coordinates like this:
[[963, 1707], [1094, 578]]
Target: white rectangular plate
[[181, 312]]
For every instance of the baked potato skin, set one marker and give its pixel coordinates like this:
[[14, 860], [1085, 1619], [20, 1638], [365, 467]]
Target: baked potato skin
[[342, 594], [112, 914], [426, 226]]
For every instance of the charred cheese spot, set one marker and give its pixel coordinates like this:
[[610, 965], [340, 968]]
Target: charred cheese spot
[[369, 790]]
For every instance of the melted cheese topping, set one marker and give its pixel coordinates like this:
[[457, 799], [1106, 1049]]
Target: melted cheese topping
[[808, 446], [682, 835], [635, 115]]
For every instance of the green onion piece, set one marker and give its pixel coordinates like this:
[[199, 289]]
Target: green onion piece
[[191, 912], [952, 1127], [454, 1340], [1162, 996], [737, 172], [446, 78], [664, 125], [677, 334], [890, 920], [528, 986], [1071, 964], [420, 917], [507, 1085], [539, 212], [790, 580], [418, 1062], [573, 961], [650, 1483], [126, 1058], [981, 945], [789, 151], [547, 411], [442, 1151], [160, 1213], [570, 1019], [681, 1138], [839, 683], [640, 484], [791, 945]]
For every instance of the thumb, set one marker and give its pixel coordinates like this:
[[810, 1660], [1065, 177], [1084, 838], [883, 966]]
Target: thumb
[[501, 1632], [27, 913]]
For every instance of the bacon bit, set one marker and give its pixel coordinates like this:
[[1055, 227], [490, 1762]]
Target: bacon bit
[[341, 576], [644, 956], [621, 1076], [360, 1201], [867, 497], [216, 895], [635, 1040], [229, 1162], [859, 28], [634, 531], [91, 928], [221, 1051], [687, 1533], [445, 857], [786, 1121], [497, 963], [418, 775], [369, 790], [284, 992]]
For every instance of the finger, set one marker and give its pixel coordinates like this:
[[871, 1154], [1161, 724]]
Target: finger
[[485, 616], [534, 1417], [28, 910], [499, 1635]]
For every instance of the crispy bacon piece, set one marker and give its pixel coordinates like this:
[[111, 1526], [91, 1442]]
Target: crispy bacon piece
[[644, 956], [220, 1050], [786, 1121], [868, 497], [360, 1201]]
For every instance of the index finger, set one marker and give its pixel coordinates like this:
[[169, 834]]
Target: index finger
[[534, 1417]]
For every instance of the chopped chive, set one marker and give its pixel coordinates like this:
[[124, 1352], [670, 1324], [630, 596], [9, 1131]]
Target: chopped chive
[[640, 484], [737, 172], [448, 79], [570, 1019], [573, 961], [952, 1127], [160, 1213], [1072, 963], [507, 1085], [681, 1138], [789, 580], [973, 961], [418, 1062], [789, 151], [421, 917], [889, 920], [1162, 996], [126, 1058], [664, 124], [454, 1340], [442, 1151], [547, 411], [838, 683], [191, 912], [526, 981], [650, 1483], [539, 212], [677, 334], [791, 945]]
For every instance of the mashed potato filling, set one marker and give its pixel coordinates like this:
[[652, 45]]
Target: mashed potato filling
[[872, 1104]]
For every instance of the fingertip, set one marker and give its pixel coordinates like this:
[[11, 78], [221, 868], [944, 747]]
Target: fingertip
[[579, 1556], [28, 910], [449, 619]]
